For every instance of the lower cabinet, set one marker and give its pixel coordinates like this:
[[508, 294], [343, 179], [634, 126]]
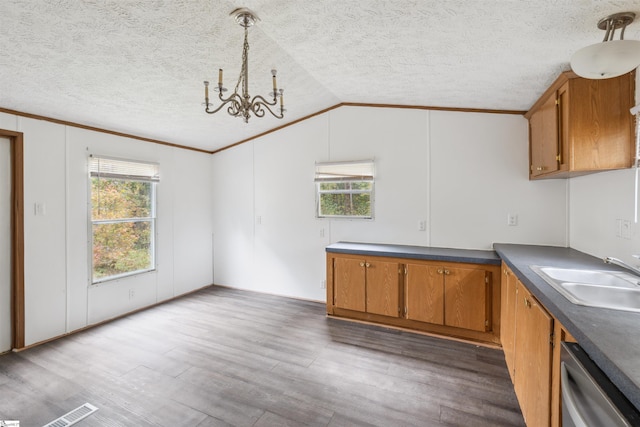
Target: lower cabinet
[[456, 299], [349, 284], [532, 352], [531, 340], [367, 285], [446, 295], [508, 318]]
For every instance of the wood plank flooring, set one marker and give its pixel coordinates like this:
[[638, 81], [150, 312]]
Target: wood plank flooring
[[223, 357]]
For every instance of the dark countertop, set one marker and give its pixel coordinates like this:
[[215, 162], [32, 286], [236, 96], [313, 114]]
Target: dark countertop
[[610, 337], [417, 252]]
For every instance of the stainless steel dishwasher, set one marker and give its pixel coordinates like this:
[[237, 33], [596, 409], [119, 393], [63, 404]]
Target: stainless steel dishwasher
[[589, 399]]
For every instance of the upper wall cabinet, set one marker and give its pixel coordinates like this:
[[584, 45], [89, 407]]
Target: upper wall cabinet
[[581, 126]]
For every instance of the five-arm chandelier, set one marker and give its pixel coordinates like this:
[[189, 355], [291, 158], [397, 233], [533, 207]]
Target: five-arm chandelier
[[241, 104]]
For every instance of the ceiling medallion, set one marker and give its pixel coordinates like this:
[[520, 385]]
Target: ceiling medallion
[[241, 104]]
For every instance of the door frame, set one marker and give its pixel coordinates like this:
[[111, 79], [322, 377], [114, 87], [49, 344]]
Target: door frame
[[17, 236]]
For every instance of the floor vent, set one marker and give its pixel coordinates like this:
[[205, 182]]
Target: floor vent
[[74, 416]]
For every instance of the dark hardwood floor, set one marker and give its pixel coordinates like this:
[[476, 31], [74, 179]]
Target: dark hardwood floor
[[223, 357]]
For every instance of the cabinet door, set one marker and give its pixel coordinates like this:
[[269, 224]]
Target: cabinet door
[[534, 327], [349, 283], [508, 316], [424, 298], [466, 298], [563, 128], [600, 123], [543, 128], [383, 288]]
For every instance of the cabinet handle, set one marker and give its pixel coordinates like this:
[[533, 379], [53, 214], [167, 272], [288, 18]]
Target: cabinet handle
[[447, 272], [362, 264], [368, 265], [440, 271], [527, 303]]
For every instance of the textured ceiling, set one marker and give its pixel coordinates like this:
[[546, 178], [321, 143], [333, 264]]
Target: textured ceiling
[[137, 66]]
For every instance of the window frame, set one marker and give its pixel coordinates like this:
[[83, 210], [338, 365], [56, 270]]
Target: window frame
[[151, 219], [363, 171]]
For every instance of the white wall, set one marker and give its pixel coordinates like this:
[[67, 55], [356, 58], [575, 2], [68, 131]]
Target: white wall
[[461, 172], [479, 175], [58, 296], [597, 202]]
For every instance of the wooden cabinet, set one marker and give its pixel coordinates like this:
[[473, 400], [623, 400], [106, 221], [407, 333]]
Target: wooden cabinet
[[447, 295], [533, 349], [383, 287], [424, 299], [457, 299], [544, 138], [367, 285], [508, 318], [531, 340], [467, 298], [581, 126]]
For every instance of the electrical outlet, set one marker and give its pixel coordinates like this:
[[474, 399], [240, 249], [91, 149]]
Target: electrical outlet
[[132, 293], [422, 225], [512, 219], [322, 232], [323, 284]]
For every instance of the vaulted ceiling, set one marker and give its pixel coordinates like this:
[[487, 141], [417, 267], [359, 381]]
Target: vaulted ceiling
[[137, 66]]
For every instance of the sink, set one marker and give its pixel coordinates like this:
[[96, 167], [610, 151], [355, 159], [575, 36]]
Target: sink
[[594, 288], [603, 296], [595, 277]]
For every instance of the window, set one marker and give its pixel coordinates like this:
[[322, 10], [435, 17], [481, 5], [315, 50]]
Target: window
[[345, 189], [123, 217]]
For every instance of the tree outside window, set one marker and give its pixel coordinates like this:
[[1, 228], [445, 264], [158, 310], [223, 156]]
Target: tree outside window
[[122, 219], [345, 189]]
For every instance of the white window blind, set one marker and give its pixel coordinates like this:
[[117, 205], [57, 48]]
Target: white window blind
[[361, 170], [106, 167]]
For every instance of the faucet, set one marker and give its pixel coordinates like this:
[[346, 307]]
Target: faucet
[[618, 262]]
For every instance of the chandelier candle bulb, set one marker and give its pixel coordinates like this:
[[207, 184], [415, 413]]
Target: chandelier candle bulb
[[220, 77], [275, 86], [206, 92]]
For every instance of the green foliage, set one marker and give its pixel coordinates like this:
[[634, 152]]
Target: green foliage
[[345, 199], [121, 247]]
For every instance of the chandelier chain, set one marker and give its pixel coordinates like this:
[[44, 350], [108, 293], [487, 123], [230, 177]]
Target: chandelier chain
[[245, 58]]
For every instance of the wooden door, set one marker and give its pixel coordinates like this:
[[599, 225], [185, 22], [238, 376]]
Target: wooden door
[[508, 297], [349, 283], [533, 352], [383, 287], [466, 298], [6, 325], [543, 128], [424, 298]]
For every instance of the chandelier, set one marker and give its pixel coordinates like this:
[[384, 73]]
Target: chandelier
[[240, 104], [610, 58]]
